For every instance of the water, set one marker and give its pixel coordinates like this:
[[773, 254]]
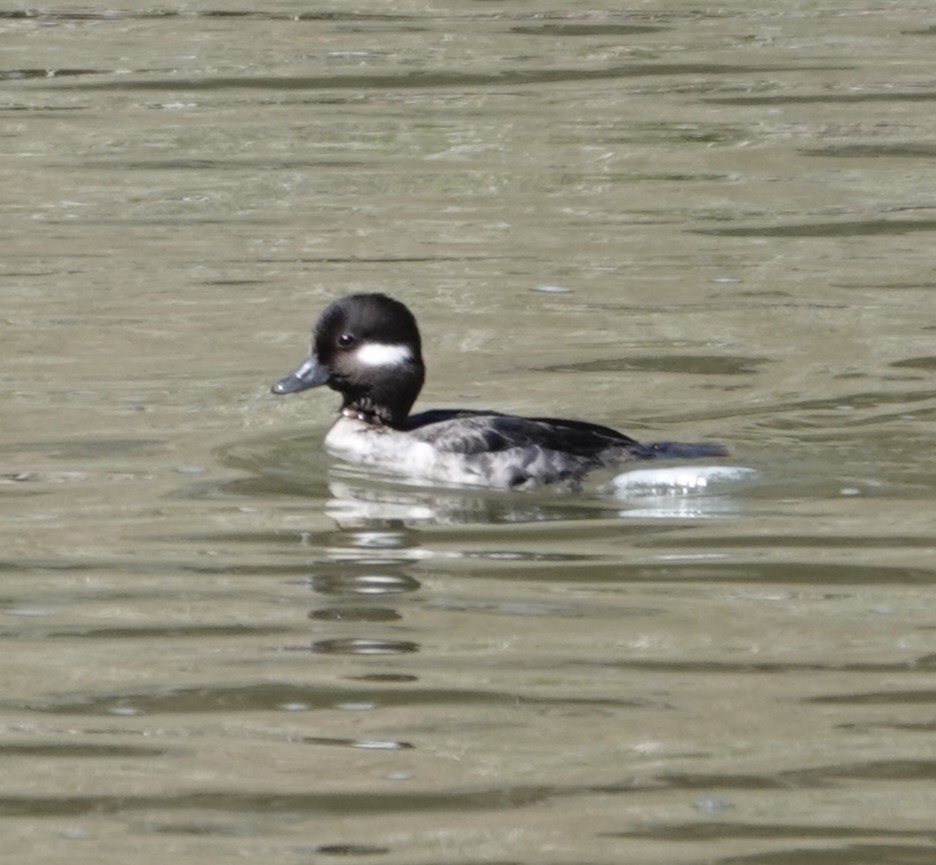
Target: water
[[686, 221]]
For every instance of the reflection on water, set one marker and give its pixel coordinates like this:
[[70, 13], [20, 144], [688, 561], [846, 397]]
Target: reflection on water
[[218, 642]]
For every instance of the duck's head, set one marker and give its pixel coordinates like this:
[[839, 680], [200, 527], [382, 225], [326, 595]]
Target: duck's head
[[367, 347]]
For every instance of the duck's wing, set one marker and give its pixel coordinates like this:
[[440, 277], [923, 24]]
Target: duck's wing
[[474, 432]]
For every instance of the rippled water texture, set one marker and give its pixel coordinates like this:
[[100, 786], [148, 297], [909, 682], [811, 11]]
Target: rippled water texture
[[685, 220]]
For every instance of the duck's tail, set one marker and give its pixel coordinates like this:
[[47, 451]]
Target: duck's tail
[[686, 451]]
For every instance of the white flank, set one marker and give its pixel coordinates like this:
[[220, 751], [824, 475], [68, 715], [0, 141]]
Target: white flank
[[381, 354]]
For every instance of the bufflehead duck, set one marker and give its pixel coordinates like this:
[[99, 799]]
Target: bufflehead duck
[[367, 347]]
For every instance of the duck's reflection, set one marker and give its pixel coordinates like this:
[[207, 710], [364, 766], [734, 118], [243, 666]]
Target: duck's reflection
[[363, 585], [364, 646], [370, 505]]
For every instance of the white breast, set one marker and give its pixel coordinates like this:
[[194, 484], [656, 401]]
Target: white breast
[[359, 442], [355, 441]]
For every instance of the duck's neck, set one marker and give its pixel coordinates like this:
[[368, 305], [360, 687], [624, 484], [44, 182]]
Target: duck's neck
[[374, 415], [368, 417]]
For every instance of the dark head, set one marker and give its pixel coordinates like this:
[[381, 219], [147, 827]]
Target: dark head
[[367, 347]]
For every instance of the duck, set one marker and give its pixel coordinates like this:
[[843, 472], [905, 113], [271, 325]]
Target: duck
[[368, 348]]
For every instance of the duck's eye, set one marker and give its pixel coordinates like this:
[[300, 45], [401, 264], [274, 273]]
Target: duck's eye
[[346, 340]]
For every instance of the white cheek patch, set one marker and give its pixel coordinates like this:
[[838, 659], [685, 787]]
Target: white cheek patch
[[382, 354]]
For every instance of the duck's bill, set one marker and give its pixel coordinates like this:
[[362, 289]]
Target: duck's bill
[[310, 374]]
